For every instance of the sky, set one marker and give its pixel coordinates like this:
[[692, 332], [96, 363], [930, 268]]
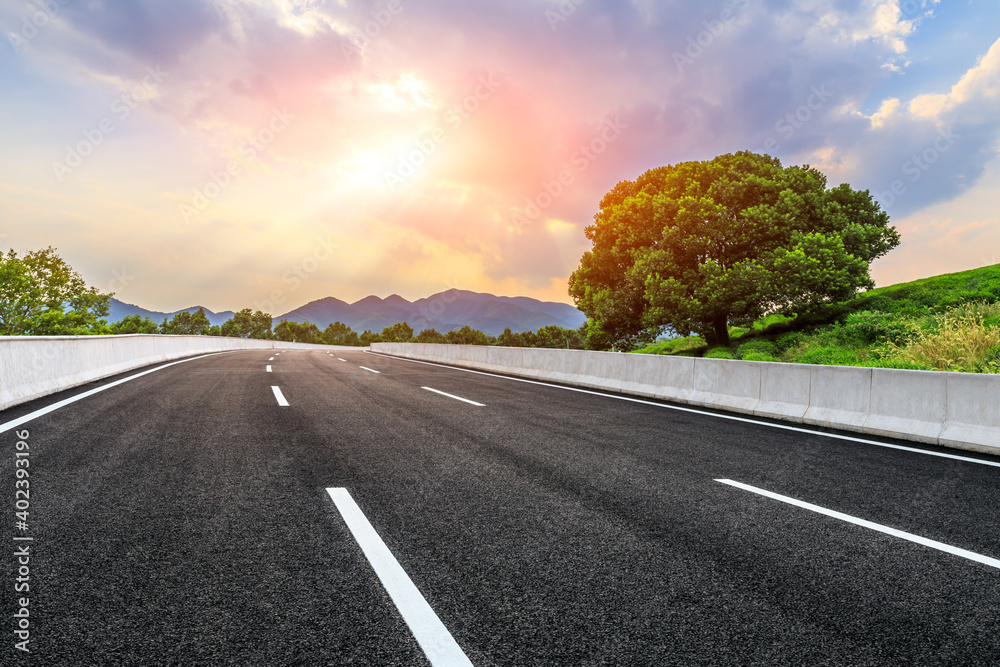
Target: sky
[[267, 153]]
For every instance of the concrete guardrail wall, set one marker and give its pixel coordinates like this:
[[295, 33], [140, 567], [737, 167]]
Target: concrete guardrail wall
[[35, 366], [960, 410]]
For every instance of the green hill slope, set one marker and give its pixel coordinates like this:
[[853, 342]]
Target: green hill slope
[[947, 322]]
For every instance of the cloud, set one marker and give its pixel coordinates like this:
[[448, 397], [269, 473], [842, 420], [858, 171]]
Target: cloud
[[801, 80]]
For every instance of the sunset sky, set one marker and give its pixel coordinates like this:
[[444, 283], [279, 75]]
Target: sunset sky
[[260, 153]]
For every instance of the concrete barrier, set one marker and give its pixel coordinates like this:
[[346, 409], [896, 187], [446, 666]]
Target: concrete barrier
[[36, 366], [959, 410], [720, 384], [913, 402], [839, 396], [972, 412], [784, 390]]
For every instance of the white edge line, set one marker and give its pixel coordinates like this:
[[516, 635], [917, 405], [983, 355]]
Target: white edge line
[[437, 643], [282, 401], [457, 398], [269, 368], [14, 423], [934, 544], [370, 370], [745, 420]]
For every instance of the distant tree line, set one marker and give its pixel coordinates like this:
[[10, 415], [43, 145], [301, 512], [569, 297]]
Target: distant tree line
[[247, 324], [41, 295]]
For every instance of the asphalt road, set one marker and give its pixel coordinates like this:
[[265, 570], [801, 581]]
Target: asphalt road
[[183, 518]]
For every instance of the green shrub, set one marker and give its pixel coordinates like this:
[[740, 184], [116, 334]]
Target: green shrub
[[875, 327], [674, 346], [829, 356], [991, 363], [789, 340], [904, 364], [757, 346], [720, 353], [759, 356]]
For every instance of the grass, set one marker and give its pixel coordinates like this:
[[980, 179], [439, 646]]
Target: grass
[[949, 322]]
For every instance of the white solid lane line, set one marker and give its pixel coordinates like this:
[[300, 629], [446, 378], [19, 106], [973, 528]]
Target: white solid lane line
[[457, 398], [372, 370], [14, 423], [437, 643], [719, 415], [934, 544], [269, 368], [281, 397]]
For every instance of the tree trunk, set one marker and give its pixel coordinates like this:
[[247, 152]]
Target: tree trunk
[[720, 326]]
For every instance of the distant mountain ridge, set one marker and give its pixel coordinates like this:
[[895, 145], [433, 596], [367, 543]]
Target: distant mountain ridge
[[119, 309], [444, 311]]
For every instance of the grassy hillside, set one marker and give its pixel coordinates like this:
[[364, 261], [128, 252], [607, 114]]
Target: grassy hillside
[[949, 322]]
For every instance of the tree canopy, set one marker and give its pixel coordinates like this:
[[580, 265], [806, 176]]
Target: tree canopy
[[41, 295], [699, 246], [296, 332], [134, 324], [187, 324], [248, 324]]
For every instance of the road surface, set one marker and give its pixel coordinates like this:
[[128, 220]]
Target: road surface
[[191, 516]]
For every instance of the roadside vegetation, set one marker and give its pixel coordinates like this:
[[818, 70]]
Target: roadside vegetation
[[42, 295], [949, 322]]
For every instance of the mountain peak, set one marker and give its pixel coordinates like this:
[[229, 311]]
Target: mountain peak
[[396, 300], [370, 300]]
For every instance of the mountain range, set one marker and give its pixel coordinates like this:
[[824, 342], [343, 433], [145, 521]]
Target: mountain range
[[443, 311]]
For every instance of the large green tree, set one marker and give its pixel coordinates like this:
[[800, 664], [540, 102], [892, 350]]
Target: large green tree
[[400, 332], [339, 333], [248, 324], [430, 336], [699, 246], [467, 336], [296, 332], [134, 324], [40, 294], [188, 324]]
